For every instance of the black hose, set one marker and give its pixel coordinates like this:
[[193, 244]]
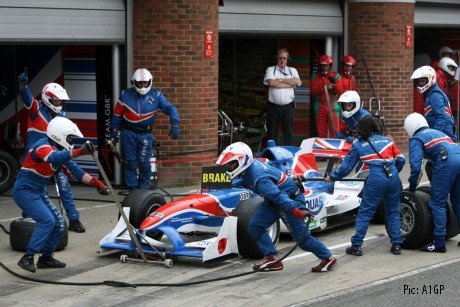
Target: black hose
[[115, 283], [4, 229]]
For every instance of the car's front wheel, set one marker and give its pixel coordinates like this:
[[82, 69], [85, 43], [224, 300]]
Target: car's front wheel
[[247, 247]]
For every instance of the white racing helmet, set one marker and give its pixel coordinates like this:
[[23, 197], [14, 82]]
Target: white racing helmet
[[444, 50], [424, 72], [239, 153], [414, 122], [350, 97], [54, 90], [448, 65], [142, 74], [61, 130]]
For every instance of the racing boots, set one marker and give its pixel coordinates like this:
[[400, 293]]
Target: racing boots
[[48, 262], [325, 265], [396, 249], [434, 248], [76, 226], [27, 263], [270, 264], [354, 250]]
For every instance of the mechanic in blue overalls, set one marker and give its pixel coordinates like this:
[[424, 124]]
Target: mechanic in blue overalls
[[444, 156], [40, 113], [283, 199], [133, 118], [350, 103], [436, 105], [46, 157], [385, 161]]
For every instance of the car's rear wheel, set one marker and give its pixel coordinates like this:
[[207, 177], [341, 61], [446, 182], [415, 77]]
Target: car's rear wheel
[[451, 220], [246, 245], [142, 203], [416, 220]]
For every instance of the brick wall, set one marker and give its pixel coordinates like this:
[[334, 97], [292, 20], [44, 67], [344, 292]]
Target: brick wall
[[377, 34], [168, 39]]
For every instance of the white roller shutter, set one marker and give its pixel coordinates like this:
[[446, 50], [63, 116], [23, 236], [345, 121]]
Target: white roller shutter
[[275, 17], [437, 14], [62, 21]]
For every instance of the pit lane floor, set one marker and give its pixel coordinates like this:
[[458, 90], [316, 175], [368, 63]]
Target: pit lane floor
[[376, 273]]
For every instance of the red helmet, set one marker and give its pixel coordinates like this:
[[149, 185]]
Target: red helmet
[[349, 60], [325, 60]]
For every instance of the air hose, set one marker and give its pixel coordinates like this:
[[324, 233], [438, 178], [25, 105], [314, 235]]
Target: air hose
[[121, 284]]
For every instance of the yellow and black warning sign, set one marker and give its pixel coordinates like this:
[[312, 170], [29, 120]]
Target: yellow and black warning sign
[[215, 177]]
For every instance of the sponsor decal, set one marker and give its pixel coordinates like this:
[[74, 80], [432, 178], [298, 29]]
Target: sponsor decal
[[315, 204], [312, 224], [341, 197], [350, 183], [244, 196], [158, 215]]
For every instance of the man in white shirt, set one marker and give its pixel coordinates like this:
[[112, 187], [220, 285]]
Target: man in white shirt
[[281, 80]]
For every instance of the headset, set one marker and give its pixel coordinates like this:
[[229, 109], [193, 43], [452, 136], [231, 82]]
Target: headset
[[283, 50]]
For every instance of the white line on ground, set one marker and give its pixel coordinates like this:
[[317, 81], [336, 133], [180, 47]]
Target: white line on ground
[[331, 248]]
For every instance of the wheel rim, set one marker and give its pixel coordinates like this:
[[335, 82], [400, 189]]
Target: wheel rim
[[273, 232], [407, 219]]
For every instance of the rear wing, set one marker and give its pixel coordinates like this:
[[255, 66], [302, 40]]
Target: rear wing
[[326, 147]]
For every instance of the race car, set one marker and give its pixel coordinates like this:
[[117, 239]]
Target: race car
[[212, 224]]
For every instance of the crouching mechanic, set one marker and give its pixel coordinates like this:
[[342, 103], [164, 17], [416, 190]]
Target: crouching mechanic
[[350, 103], [40, 113], [47, 157], [283, 199], [385, 162], [133, 117], [444, 156]]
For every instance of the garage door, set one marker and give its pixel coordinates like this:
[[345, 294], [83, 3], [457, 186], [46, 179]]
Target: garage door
[[441, 13], [62, 21], [274, 17]]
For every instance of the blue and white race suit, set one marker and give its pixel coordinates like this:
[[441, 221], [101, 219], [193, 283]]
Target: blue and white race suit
[[134, 115], [39, 117], [281, 195], [378, 185], [437, 111], [30, 194], [349, 125], [444, 156]]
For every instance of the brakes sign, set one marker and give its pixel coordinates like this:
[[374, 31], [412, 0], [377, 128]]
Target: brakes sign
[[215, 177]]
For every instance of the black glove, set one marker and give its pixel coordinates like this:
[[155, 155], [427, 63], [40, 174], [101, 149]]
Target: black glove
[[174, 133], [331, 79], [88, 148]]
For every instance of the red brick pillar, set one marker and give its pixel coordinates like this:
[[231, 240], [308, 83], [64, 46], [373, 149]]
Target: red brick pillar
[[168, 39], [377, 34]]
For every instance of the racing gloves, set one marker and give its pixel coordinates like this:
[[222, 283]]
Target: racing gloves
[[301, 214], [23, 78], [86, 149], [174, 132], [101, 187]]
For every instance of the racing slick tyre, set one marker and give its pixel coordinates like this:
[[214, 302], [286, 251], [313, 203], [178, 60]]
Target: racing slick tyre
[[247, 247], [416, 219], [8, 170], [451, 220], [21, 230], [142, 203]]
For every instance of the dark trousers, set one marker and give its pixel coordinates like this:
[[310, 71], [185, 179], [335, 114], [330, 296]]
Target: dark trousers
[[280, 115]]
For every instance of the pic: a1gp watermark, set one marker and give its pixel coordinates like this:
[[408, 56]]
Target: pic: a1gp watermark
[[423, 289]]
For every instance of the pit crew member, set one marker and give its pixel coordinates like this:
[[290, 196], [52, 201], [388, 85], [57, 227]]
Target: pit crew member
[[46, 157], [385, 161], [40, 113], [133, 118], [283, 199], [444, 156]]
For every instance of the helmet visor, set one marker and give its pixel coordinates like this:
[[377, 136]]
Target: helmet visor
[[421, 82], [232, 165], [347, 106]]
